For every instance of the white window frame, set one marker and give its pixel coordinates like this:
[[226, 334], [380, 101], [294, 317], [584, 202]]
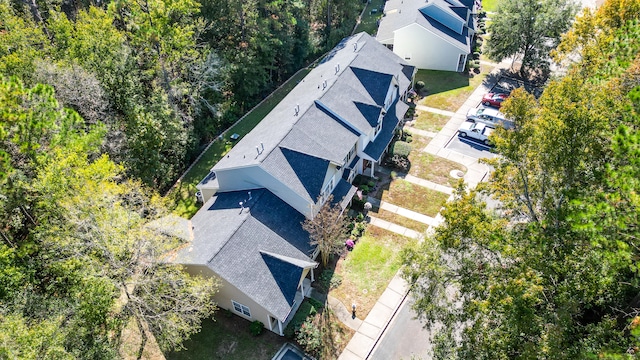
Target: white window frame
[[349, 156], [241, 309]]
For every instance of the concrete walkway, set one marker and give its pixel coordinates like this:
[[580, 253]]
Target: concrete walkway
[[423, 133], [373, 326], [375, 323], [434, 110]]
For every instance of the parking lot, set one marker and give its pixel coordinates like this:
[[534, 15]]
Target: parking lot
[[469, 147], [478, 150]]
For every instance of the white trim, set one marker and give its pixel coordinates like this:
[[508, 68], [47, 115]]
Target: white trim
[[244, 310]]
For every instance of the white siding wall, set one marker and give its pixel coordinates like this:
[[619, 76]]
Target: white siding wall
[[427, 50]]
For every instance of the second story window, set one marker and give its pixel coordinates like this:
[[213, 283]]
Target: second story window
[[327, 190], [350, 156]]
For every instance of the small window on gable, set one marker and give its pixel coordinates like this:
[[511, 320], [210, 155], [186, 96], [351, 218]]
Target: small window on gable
[[241, 309]]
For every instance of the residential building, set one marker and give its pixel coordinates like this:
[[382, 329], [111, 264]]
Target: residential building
[[336, 123], [430, 34]]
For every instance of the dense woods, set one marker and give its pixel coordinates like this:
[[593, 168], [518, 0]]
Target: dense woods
[[102, 106], [550, 269], [165, 77]]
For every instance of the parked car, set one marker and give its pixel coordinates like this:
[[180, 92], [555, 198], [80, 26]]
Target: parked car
[[489, 116], [475, 130], [494, 99]]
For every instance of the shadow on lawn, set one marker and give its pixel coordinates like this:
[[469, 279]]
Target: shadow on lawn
[[228, 337], [437, 81]]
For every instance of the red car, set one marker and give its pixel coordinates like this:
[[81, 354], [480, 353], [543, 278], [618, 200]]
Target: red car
[[493, 99]]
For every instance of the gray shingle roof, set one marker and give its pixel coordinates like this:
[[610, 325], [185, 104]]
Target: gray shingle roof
[[265, 246], [302, 173], [402, 13], [318, 134], [328, 82], [343, 193], [389, 123]]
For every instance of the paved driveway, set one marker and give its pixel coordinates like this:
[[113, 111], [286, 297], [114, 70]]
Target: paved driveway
[[470, 148], [404, 337]]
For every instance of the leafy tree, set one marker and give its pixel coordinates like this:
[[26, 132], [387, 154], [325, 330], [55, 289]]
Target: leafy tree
[[549, 272], [327, 229], [78, 260], [529, 30]]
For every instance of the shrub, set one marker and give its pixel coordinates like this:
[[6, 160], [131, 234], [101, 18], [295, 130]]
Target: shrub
[[410, 112], [371, 183], [359, 229], [401, 148], [364, 189], [419, 85], [408, 139], [360, 217], [256, 328], [393, 175], [315, 303], [398, 162], [357, 204], [310, 336], [336, 280], [350, 226]]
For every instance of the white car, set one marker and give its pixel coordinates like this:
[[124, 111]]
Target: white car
[[489, 116], [475, 130]]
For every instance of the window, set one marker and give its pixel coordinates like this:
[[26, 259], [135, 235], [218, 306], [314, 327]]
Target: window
[[462, 58], [377, 130], [352, 152], [241, 309]]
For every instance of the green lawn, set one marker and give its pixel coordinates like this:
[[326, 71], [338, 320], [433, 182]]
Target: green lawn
[[448, 90], [400, 220], [431, 167], [367, 270], [183, 194], [429, 121], [369, 21], [228, 338], [414, 197], [489, 5]]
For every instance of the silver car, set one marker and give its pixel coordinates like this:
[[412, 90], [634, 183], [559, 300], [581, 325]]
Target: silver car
[[489, 116]]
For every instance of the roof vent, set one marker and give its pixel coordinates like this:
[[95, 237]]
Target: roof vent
[[296, 109], [324, 84], [338, 68], [355, 47]]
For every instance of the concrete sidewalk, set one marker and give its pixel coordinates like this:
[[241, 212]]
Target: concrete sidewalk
[[376, 322], [372, 328]]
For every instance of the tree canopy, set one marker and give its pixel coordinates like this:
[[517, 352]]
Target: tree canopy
[[551, 271], [79, 262], [528, 30]]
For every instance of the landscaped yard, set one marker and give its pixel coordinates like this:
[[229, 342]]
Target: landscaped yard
[[430, 167], [429, 121], [228, 338], [414, 197], [369, 21], [183, 194], [447, 90], [367, 270], [400, 220]]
